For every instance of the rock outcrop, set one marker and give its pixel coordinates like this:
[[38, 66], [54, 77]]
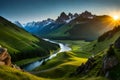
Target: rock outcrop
[[117, 43], [110, 60], [61, 19], [5, 58], [84, 68], [86, 14], [108, 63]]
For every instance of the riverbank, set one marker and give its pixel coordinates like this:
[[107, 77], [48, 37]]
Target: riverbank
[[27, 61], [61, 66], [38, 62]]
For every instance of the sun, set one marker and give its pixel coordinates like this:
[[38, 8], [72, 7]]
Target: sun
[[116, 17]]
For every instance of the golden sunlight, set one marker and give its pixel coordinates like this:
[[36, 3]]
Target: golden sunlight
[[116, 17]]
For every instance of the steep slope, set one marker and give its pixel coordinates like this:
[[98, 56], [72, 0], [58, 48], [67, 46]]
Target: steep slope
[[21, 44], [8, 71], [106, 62], [78, 65], [103, 41]]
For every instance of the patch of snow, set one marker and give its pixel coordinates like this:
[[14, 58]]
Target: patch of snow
[[90, 17], [67, 21], [47, 24]]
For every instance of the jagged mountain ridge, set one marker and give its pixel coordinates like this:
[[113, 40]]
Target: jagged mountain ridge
[[46, 26], [85, 28], [72, 26], [35, 27]]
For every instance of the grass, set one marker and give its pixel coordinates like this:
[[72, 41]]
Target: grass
[[77, 47], [21, 44], [84, 78], [8, 73], [61, 32], [83, 29], [61, 66], [26, 61], [96, 47]]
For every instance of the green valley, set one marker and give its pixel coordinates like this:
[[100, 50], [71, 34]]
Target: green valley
[[60, 67], [72, 47], [67, 65], [21, 44]]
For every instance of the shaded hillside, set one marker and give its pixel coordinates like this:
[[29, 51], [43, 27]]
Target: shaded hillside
[[103, 65], [106, 62], [103, 41], [21, 44], [83, 28]]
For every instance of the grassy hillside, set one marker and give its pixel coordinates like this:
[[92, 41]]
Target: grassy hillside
[[60, 67], [21, 44], [103, 42], [85, 29], [8, 73], [107, 58], [65, 65]]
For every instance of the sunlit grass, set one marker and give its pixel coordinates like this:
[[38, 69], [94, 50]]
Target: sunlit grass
[[8, 73]]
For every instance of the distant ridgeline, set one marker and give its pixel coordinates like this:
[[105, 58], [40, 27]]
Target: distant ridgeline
[[84, 26], [21, 44]]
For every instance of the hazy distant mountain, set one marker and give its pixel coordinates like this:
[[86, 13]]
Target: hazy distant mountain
[[35, 27], [44, 27]]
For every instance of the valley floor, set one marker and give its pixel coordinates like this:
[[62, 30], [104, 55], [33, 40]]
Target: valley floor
[[64, 64]]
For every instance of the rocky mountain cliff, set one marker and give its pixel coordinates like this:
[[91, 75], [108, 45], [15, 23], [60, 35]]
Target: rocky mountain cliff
[[64, 18]]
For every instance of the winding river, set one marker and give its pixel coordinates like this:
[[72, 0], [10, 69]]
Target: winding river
[[63, 48]]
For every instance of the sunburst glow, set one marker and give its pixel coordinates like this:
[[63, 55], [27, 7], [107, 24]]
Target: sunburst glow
[[116, 17]]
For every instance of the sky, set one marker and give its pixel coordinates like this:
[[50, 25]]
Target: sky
[[38, 10]]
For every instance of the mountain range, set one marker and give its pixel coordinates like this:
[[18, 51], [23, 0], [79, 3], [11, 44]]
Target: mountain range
[[95, 60], [84, 26]]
